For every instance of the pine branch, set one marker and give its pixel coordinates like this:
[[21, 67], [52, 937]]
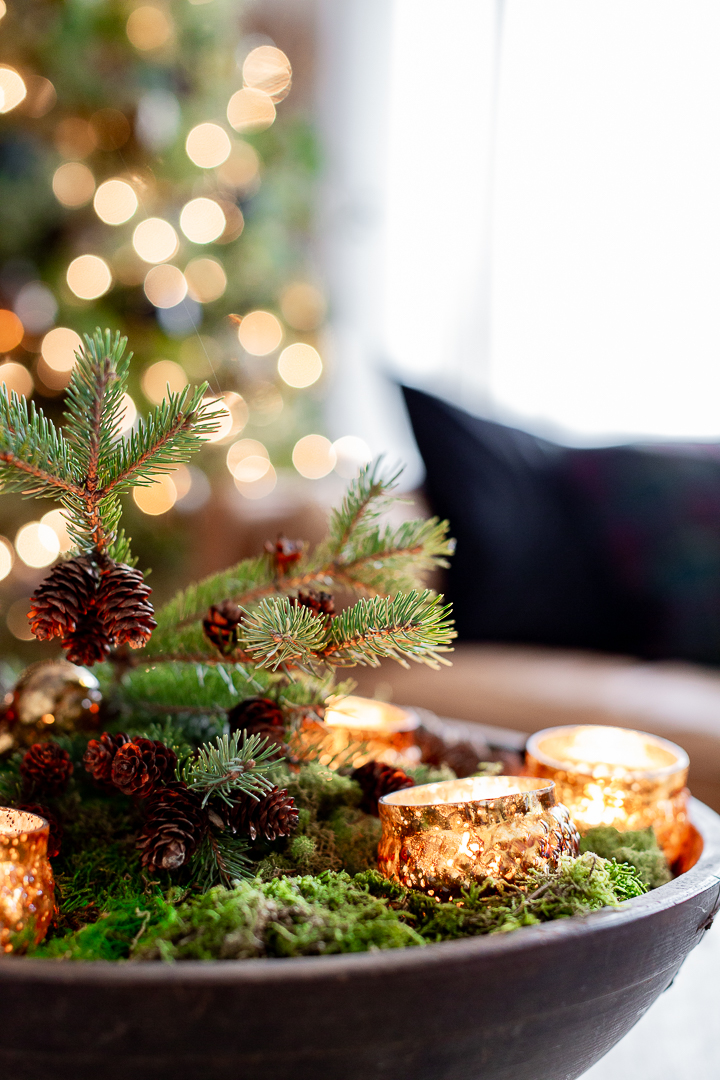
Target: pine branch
[[232, 766], [278, 633], [387, 560], [35, 459], [365, 499], [415, 626], [221, 859]]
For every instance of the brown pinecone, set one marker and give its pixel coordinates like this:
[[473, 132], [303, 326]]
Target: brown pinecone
[[100, 754], [141, 765], [259, 716], [123, 605], [221, 625], [320, 603], [46, 768], [60, 601], [273, 816], [176, 823], [88, 643], [462, 758], [285, 553], [56, 828], [377, 779]]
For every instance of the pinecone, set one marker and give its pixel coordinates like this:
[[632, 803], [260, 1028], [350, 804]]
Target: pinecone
[[273, 816], [46, 768], [462, 758], [259, 716], [100, 754], [123, 605], [221, 625], [175, 825], [321, 604], [56, 829], [285, 553], [88, 643], [377, 779], [142, 765], [60, 601]]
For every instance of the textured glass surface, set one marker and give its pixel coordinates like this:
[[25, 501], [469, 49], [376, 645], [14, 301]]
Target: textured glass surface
[[356, 730], [443, 837], [611, 776], [26, 880]]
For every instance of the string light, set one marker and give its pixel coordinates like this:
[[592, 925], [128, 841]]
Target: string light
[[58, 348], [202, 220], [3, 8], [128, 414], [268, 68], [302, 306], [58, 523], [160, 377], [11, 330], [74, 137], [206, 280], [313, 456], [12, 87], [7, 558], [300, 365], [89, 277], [351, 453], [73, 184], [49, 381], [16, 377], [260, 333], [148, 28], [165, 286], [250, 110], [241, 450], [234, 415], [37, 544], [208, 145], [158, 497], [155, 240], [234, 222], [241, 171], [17, 620], [260, 487], [115, 201], [193, 488]]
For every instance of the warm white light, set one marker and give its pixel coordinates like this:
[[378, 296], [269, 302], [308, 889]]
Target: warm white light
[[59, 347], [351, 453], [268, 68], [115, 202], [158, 497], [7, 558], [193, 488], [202, 220], [260, 333], [37, 544], [17, 620], [242, 450], [155, 240], [234, 416], [241, 171], [15, 377], [299, 365], [206, 280], [165, 286], [160, 377], [148, 28], [3, 8], [36, 307], [208, 145], [74, 137], [89, 277], [250, 110], [57, 521], [259, 487], [73, 184], [313, 456], [302, 306], [13, 88], [11, 330], [128, 414]]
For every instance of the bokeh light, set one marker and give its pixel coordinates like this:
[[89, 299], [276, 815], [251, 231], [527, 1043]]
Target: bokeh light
[[193, 488], [11, 330], [148, 28], [241, 171], [7, 557], [158, 497], [37, 544], [111, 128], [155, 240], [74, 137], [57, 521], [268, 68], [302, 306], [35, 307], [42, 97], [351, 453], [202, 220], [313, 456], [73, 184], [250, 110], [12, 88], [3, 9], [208, 145], [206, 280], [59, 347], [89, 277], [48, 381], [17, 620], [245, 448], [260, 487], [128, 414], [266, 403], [16, 377], [160, 376], [260, 333], [234, 416], [115, 201], [234, 221], [299, 365], [165, 286]]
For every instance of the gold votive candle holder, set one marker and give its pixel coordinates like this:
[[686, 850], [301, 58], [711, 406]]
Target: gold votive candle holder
[[356, 729], [441, 838], [615, 776], [26, 880]]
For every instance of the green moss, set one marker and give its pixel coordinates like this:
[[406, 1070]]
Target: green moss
[[639, 849], [357, 836]]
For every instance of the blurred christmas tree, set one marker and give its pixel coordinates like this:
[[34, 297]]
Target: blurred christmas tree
[[152, 180]]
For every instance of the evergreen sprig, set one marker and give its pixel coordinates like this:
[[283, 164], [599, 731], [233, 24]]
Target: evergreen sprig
[[233, 765], [221, 859], [411, 626], [279, 633]]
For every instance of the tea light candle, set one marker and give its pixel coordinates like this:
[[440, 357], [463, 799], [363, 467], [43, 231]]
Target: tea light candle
[[26, 880], [443, 837], [612, 776], [386, 731]]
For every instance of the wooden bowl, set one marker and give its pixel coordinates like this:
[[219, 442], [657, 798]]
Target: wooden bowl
[[541, 1003]]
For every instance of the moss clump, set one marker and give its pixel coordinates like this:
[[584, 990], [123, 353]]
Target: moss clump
[[639, 849]]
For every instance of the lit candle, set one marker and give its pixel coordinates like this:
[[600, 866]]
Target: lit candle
[[26, 880], [612, 776], [443, 837], [385, 732]]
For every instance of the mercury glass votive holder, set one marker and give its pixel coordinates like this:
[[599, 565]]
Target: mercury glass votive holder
[[356, 729], [619, 777], [442, 837], [26, 880]]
